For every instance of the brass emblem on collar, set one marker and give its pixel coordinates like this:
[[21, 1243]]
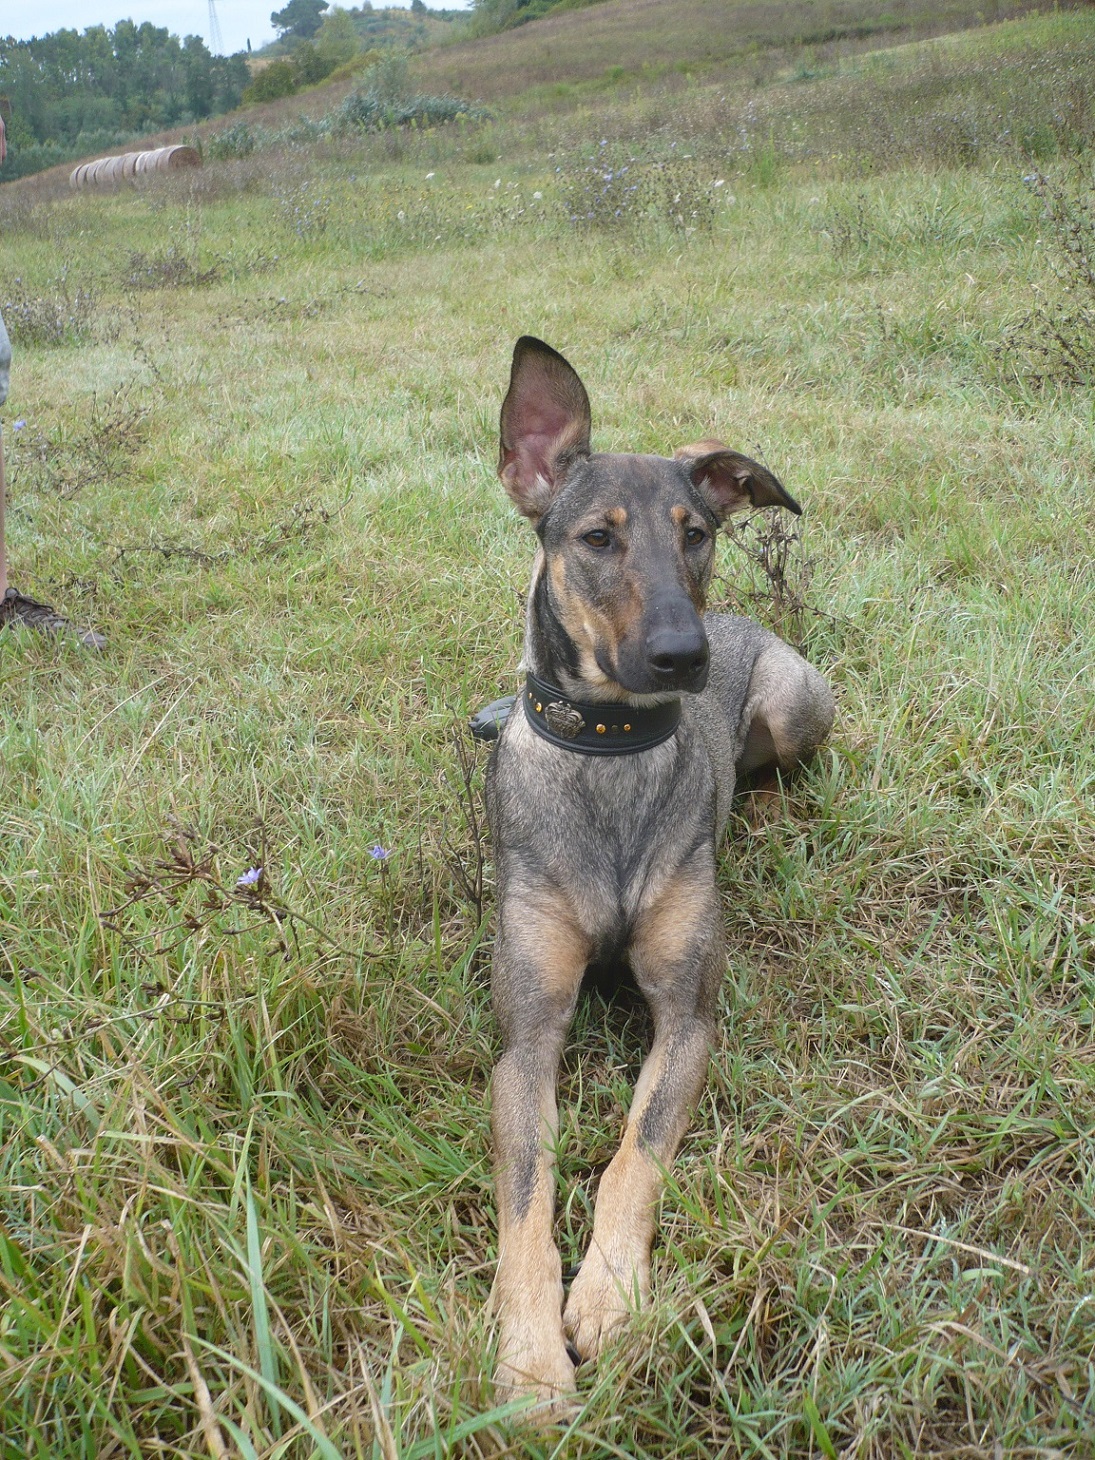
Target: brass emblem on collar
[[564, 719]]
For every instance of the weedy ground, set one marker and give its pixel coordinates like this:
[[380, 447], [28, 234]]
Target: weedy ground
[[244, 892]]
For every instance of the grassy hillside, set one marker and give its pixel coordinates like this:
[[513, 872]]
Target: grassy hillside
[[251, 436], [625, 43]]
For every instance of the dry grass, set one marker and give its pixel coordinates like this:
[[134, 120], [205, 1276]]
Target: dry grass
[[624, 44]]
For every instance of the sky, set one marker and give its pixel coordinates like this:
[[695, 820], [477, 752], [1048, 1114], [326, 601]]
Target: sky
[[239, 20]]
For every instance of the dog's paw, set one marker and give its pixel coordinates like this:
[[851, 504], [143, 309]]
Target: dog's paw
[[601, 1301], [537, 1365]]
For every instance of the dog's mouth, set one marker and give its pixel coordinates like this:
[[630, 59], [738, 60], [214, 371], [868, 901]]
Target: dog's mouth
[[644, 681], [667, 655]]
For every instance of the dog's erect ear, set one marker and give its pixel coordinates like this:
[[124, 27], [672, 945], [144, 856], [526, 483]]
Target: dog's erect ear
[[545, 425], [733, 483]]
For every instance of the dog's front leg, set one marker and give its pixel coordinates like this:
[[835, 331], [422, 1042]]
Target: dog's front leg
[[678, 960], [539, 961]]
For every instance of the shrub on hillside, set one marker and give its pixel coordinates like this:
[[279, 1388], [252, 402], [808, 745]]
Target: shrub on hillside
[[361, 110], [309, 67], [491, 16], [235, 141], [272, 83], [365, 111], [388, 79], [337, 40], [382, 98]]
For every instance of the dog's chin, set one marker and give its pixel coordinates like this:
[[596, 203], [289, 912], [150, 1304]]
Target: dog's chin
[[642, 687]]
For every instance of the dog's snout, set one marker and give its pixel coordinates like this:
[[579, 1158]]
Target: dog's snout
[[678, 656], [676, 645]]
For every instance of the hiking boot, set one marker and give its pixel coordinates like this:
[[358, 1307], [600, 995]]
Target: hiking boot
[[17, 608]]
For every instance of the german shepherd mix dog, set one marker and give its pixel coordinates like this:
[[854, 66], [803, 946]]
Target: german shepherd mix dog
[[607, 796]]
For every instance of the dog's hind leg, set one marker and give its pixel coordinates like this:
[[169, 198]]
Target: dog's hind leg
[[539, 960], [678, 960]]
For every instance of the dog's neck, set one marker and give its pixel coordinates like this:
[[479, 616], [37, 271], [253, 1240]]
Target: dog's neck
[[550, 653], [596, 728]]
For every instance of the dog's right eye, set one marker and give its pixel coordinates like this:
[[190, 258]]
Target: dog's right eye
[[598, 538]]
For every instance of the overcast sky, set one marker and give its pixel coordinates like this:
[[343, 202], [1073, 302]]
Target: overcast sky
[[240, 20]]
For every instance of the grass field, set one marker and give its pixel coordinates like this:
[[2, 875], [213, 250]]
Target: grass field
[[247, 1202]]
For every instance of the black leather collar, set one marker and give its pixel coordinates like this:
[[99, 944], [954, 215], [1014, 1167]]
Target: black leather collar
[[606, 729]]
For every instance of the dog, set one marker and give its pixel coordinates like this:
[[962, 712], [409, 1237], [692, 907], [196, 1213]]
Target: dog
[[607, 794]]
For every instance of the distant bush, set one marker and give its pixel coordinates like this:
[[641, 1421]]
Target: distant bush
[[388, 80], [337, 40], [271, 83], [363, 110], [308, 66], [23, 161], [311, 64], [368, 108], [28, 158], [235, 141], [382, 98]]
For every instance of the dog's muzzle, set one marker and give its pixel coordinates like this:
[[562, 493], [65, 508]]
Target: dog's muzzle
[[670, 654]]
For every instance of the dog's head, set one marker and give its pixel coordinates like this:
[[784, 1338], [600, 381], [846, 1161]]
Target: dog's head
[[628, 541]]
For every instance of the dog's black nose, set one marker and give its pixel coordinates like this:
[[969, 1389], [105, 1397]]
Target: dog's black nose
[[678, 656]]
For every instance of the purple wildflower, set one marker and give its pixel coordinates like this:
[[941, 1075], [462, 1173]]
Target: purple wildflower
[[250, 877], [379, 853]]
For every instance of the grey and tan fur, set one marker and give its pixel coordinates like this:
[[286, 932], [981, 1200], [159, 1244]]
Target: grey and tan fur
[[611, 859]]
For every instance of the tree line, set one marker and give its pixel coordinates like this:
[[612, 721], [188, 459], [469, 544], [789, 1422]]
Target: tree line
[[70, 93]]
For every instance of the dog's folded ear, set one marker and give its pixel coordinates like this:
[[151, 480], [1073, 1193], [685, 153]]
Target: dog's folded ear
[[545, 425], [730, 482]]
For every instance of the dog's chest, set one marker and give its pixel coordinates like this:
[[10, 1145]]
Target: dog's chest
[[606, 831]]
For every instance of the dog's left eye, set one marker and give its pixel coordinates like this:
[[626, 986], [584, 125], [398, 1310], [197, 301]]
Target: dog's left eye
[[694, 536], [598, 538]]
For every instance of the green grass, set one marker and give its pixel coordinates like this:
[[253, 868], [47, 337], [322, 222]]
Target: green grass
[[244, 1145]]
